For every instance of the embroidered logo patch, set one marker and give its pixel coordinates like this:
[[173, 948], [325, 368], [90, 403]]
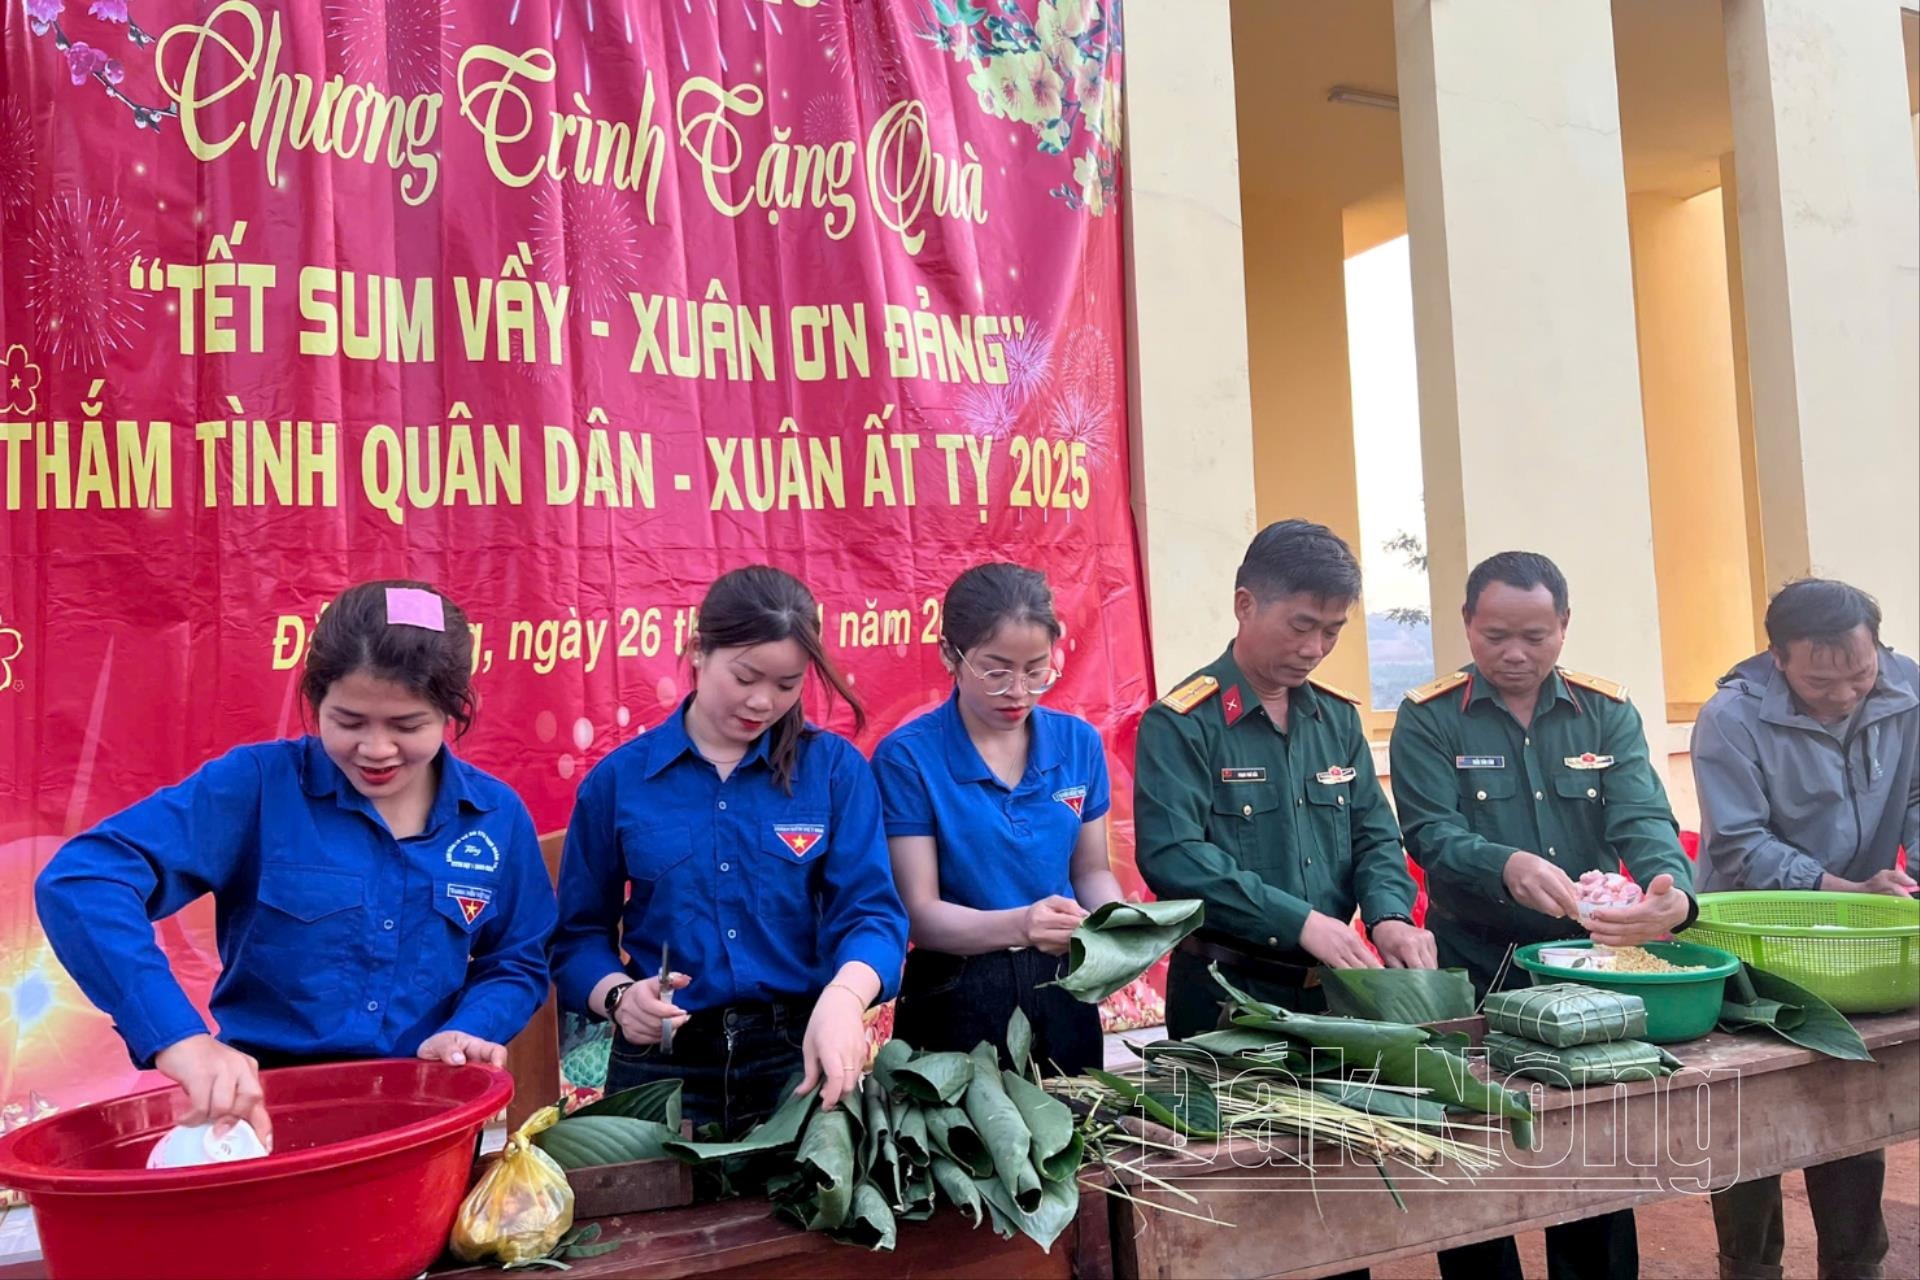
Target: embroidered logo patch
[[1587, 760], [1073, 798], [1334, 775], [1479, 762], [800, 837], [1244, 773], [474, 851], [473, 899]]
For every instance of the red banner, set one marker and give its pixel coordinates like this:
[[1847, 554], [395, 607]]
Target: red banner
[[565, 305]]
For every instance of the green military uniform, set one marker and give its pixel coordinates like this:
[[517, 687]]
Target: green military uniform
[[1472, 786], [1266, 826]]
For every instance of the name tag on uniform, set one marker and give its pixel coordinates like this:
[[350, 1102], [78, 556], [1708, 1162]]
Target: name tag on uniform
[[1255, 773], [1479, 762]]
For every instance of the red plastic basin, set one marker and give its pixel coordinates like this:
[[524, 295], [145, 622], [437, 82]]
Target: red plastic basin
[[370, 1162]]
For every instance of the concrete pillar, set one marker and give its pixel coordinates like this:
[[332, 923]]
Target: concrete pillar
[[1187, 327], [1830, 261], [1693, 442], [1523, 313], [1743, 400], [1303, 450]]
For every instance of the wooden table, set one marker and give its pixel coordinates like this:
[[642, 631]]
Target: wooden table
[[1746, 1106]]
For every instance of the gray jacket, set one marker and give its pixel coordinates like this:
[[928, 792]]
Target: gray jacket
[[1784, 798]]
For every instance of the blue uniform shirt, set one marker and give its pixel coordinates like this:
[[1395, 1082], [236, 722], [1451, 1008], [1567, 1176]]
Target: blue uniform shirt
[[336, 939], [762, 895], [999, 846]]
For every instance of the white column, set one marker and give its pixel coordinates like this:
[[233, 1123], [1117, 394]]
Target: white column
[[1187, 326], [1532, 435], [1830, 261]]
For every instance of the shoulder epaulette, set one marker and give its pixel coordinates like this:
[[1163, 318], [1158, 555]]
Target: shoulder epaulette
[[1434, 688], [1333, 689], [1191, 694], [1605, 688]]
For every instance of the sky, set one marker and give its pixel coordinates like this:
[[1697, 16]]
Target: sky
[[1386, 421]]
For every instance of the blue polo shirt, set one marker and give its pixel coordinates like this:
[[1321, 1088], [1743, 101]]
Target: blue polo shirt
[[336, 939], [761, 895], [999, 847]]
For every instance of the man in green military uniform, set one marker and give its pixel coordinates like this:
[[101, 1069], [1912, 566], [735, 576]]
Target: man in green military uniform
[[1512, 777], [1254, 790]]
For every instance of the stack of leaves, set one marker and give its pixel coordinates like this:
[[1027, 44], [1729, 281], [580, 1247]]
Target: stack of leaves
[[1756, 999], [924, 1127], [1570, 1036]]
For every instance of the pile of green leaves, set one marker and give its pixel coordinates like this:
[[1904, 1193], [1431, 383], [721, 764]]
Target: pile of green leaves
[[1758, 1000], [925, 1127]]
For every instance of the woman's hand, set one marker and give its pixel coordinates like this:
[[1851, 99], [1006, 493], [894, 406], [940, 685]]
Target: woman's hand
[[835, 1048], [644, 1008], [457, 1048], [1050, 922], [222, 1084]]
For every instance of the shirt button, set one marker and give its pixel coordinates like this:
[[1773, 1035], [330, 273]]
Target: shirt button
[[373, 1006], [1273, 942], [1298, 801], [1591, 793], [1529, 742], [1539, 795], [723, 804], [386, 924], [726, 866], [1552, 852], [1479, 795], [732, 934], [1339, 799], [1246, 811]]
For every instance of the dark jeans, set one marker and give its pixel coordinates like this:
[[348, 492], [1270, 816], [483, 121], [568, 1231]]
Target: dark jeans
[[1195, 1002], [955, 1002], [1845, 1198], [735, 1064], [1606, 1247]]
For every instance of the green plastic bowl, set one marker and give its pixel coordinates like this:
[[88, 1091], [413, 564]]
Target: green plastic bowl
[[1680, 1006]]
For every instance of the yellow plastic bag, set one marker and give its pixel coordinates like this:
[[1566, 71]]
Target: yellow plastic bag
[[521, 1206]]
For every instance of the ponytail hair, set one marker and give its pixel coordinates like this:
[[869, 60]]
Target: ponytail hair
[[355, 634], [763, 605]]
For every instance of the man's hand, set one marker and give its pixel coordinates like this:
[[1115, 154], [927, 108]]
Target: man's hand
[[1335, 944], [1656, 915], [1404, 946], [1534, 882], [222, 1084], [1893, 882], [457, 1048]]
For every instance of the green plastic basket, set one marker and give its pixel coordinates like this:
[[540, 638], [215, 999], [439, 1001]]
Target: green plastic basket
[[1680, 1006], [1860, 952]]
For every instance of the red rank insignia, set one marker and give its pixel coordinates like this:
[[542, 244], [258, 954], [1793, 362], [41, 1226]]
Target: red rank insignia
[[800, 837], [1231, 705]]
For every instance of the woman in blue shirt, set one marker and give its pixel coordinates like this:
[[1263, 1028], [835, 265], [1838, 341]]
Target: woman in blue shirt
[[374, 895], [996, 820], [748, 842]]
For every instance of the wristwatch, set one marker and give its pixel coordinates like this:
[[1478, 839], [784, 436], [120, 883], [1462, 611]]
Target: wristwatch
[[1394, 916], [612, 999]]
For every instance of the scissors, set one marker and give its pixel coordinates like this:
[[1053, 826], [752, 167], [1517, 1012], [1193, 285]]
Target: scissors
[[666, 993]]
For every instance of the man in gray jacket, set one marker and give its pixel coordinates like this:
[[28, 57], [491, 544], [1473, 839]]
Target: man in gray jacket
[[1807, 765]]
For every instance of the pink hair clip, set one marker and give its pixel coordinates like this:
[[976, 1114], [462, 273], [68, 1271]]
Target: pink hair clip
[[412, 607]]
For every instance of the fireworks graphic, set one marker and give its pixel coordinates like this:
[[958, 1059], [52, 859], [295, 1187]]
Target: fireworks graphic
[[1029, 360], [859, 43], [1078, 419], [78, 293], [1087, 366], [584, 236], [988, 412], [397, 44], [16, 158], [826, 119]]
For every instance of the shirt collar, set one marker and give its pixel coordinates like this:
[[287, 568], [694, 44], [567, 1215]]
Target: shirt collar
[[964, 759], [1555, 689], [670, 741], [320, 777], [1238, 701]]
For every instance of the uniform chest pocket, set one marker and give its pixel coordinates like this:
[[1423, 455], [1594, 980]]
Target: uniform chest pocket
[[652, 853], [315, 914], [1482, 786], [783, 875], [1585, 787], [1244, 816], [798, 842], [446, 947], [1327, 805]]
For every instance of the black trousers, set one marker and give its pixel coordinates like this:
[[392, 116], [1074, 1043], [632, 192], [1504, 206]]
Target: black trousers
[[735, 1065], [953, 1003], [1606, 1247]]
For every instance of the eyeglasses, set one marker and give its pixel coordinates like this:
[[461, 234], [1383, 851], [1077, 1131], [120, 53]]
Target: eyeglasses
[[999, 682]]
